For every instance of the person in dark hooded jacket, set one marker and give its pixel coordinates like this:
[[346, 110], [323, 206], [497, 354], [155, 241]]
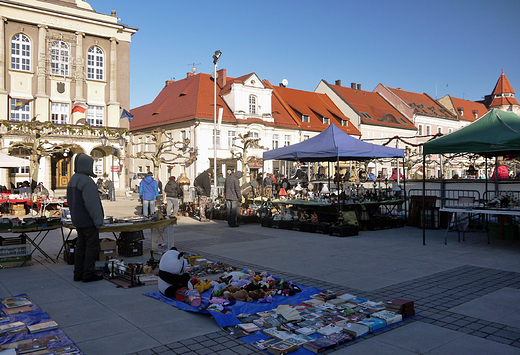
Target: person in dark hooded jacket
[[233, 195], [204, 181], [86, 212]]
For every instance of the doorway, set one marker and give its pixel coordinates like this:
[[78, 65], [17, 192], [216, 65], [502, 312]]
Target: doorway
[[61, 171]]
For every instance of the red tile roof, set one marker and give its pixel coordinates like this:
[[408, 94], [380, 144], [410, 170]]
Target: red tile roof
[[373, 108], [423, 104], [503, 101], [466, 109], [503, 86], [295, 103]]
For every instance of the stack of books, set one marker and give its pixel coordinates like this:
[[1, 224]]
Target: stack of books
[[401, 306], [43, 326], [12, 328], [388, 316]]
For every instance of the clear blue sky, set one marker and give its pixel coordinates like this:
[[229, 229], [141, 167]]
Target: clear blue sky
[[456, 47]]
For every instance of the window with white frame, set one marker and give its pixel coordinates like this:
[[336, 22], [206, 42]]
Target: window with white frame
[[287, 140], [420, 130], [98, 156], [252, 104], [306, 136], [275, 141], [149, 145], [60, 55], [20, 170], [22, 112], [305, 118], [254, 134], [95, 64], [59, 113], [95, 115], [231, 138], [139, 144], [428, 130], [20, 52], [325, 120], [344, 123], [168, 143], [213, 139], [450, 130]]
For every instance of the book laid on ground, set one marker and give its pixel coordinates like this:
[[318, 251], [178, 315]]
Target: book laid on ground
[[388, 317], [319, 345], [299, 339], [264, 344], [16, 310], [236, 331], [340, 338], [9, 327], [356, 329], [278, 334], [281, 348], [43, 326], [7, 300], [66, 349], [20, 303], [288, 312], [306, 330], [329, 329], [249, 327], [346, 296]]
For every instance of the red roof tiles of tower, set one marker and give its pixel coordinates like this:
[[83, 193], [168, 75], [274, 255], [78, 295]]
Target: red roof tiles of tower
[[503, 86]]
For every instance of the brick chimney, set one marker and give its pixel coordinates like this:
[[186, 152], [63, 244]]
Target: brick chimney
[[338, 82], [168, 82], [221, 79], [359, 86], [353, 86], [189, 74]]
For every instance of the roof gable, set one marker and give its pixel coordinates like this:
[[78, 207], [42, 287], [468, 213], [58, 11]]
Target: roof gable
[[422, 104]]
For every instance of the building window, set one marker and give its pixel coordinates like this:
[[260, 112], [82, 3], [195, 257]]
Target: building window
[[419, 132], [306, 136], [450, 130], [254, 135], [20, 170], [439, 130], [231, 138], [325, 120], [275, 141], [252, 104], [305, 118], [98, 156], [213, 139], [59, 113], [139, 144], [344, 123], [60, 58], [149, 145], [95, 115], [95, 64], [20, 112], [428, 130], [20, 52], [287, 140]]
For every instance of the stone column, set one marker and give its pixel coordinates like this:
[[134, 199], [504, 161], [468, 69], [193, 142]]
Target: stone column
[[80, 77], [113, 106], [4, 99]]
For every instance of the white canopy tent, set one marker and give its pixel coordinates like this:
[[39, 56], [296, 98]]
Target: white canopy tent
[[8, 161]]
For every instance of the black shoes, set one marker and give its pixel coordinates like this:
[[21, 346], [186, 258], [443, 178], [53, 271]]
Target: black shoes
[[92, 278], [236, 225], [78, 278]]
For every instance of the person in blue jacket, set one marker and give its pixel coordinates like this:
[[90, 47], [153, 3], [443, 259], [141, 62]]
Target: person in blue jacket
[[148, 191], [86, 212]]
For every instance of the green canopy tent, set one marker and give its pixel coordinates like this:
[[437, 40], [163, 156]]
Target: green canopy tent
[[494, 134]]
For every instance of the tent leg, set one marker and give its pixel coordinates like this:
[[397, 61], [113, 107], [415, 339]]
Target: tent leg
[[424, 199]]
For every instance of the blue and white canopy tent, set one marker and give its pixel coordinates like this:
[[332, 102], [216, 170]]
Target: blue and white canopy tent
[[332, 145]]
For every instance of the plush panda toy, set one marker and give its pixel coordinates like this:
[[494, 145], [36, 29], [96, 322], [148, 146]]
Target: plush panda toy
[[171, 273]]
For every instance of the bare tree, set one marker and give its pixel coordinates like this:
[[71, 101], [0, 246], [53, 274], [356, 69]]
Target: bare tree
[[246, 143]]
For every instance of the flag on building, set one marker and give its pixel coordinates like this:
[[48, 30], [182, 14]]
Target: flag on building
[[127, 114], [21, 103], [79, 107]]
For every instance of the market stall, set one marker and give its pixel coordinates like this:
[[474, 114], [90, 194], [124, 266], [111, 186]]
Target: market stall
[[497, 133], [334, 145]]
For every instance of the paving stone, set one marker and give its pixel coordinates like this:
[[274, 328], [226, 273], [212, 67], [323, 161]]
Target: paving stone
[[499, 339], [504, 333], [160, 349], [146, 352]]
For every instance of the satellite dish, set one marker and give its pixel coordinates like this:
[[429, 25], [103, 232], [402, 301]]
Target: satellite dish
[[285, 82]]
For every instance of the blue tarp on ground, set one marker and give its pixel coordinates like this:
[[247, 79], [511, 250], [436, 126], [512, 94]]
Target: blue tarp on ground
[[331, 145], [29, 318], [229, 318]]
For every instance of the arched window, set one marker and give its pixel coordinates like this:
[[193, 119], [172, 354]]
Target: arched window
[[20, 52], [252, 104], [60, 55], [95, 64]]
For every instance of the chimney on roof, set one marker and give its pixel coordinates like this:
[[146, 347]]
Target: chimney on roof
[[189, 74], [221, 77], [168, 82], [338, 82], [359, 86], [353, 86]]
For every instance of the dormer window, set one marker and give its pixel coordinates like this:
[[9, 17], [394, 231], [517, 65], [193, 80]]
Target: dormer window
[[344, 123], [252, 104], [305, 118], [325, 120]]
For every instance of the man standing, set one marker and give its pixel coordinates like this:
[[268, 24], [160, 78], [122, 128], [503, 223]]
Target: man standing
[[204, 182], [268, 183], [148, 191], [173, 191], [87, 214], [233, 195]]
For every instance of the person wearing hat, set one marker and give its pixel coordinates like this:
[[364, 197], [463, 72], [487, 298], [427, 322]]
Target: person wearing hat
[[86, 212], [204, 182], [173, 191], [148, 191], [41, 191]]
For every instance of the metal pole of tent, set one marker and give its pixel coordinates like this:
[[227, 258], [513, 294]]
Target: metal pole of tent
[[404, 188], [423, 212], [486, 175], [340, 216]]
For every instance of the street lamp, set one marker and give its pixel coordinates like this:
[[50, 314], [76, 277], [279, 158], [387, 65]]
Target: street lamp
[[216, 57], [104, 142]]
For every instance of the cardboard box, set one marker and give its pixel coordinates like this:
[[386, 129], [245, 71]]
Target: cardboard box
[[107, 247], [103, 254]]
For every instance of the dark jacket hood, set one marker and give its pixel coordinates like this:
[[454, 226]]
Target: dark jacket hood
[[239, 174], [84, 163]]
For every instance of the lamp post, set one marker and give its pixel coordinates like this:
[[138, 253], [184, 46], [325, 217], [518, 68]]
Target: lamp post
[[216, 57], [104, 142]]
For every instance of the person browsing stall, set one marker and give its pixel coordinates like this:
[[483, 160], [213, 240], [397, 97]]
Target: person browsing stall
[[86, 212], [148, 191], [173, 191], [204, 182]]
